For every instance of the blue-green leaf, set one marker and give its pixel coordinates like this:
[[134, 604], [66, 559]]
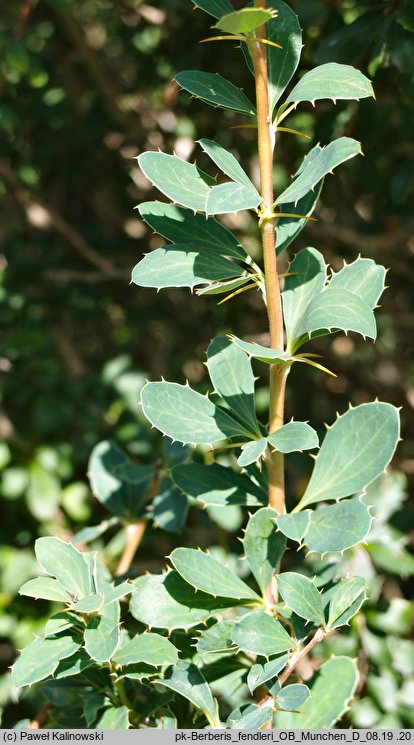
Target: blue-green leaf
[[187, 416], [226, 162], [232, 377], [263, 546], [209, 575], [217, 639], [215, 90], [41, 657], [292, 697], [316, 166], [244, 21], [114, 717], [288, 228], [259, 633], [308, 276], [182, 265], [332, 80], [169, 508], [294, 525], [45, 588], [264, 354], [336, 309], [259, 674], [66, 563], [301, 596], [356, 449], [152, 649], [216, 8], [231, 197], [252, 452], [338, 526], [251, 716], [363, 277], [180, 225], [187, 680], [178, 180], [120, 485], [343, 597], [101, 638], [294, 436], [332, 687], [218, 486], [167, 601]]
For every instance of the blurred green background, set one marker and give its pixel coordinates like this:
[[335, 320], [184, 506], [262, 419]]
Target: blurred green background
[[85, 87]]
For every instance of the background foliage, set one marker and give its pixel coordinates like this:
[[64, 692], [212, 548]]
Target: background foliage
[[85, 87]]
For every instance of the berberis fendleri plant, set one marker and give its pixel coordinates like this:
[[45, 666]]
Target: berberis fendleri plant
[[207, 644]]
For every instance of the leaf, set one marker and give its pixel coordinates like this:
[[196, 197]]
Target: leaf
[[178, 180], [152, 649], [41, 657], [263, 546], [166, 601], [332, 687], [89, 604], [61, 622], [231, 197], [259, 674], [363, 277], [116, 592], [281, 63], [251, 716], [252, 452], [264, 354], [301, 596], [294, 436], [139, 672], [338, 526], [259, 633], [209, 575], [64, 562], [169, 508], [318, 166], [182, 265], [187, 680], [212, 88], [101, 638], [216, 8], [336, 309], [217, 639], [292, 697], [45, 588], [87, 535], [307, 280], [294, 525], [344, 595], [244, 21], [288, 228], [356, 449], [180, 225], [218, 485], [219, 288], [338, 82], [114, 717], [121, 486], [74, 665], [226, 162], [187, 416], [232, 377]]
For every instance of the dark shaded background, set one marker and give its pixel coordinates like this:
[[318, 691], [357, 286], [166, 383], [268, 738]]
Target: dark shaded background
[[85, 87]]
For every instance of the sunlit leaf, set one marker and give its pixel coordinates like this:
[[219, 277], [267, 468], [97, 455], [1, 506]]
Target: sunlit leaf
[[178, 180], [209, 575], [294, 436], [231, 197], [301, 596], [263, 546], [259, 633]]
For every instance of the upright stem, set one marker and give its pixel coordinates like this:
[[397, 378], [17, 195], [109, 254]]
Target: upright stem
[[278, 374]]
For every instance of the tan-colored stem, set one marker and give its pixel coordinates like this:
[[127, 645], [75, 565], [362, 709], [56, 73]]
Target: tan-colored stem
[[274, 461], [319, 635], [134, 534]]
